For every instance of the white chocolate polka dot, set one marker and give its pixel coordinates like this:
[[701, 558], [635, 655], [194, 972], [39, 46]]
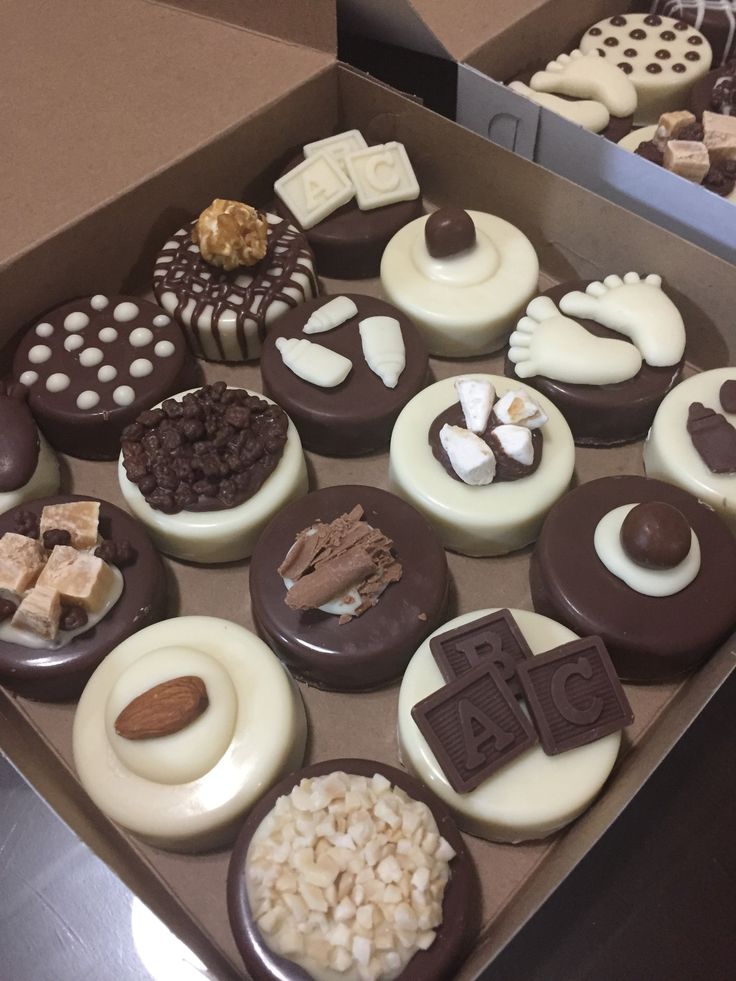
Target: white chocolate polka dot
[[140, 368], [73, 343], [99, 302], [90, 357], [76, 321], [123, 395], [140, 337], [106, 373], [164, 349], [28, 378], [161, 320], [87, 399], [107, 335], [39, 353], [124, 312], [45, 330], [57, 382]]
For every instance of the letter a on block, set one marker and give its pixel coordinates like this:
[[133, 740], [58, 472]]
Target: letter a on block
[[477, 729], [579, 715]]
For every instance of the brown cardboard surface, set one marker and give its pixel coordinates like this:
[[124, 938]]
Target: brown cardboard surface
[[312, 24], [576, 234], [68, 148]]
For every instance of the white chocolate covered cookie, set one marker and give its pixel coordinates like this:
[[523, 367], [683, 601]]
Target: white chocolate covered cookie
[[478, 520], [463, 291], [241, 725], [534, 794], [662, 57]]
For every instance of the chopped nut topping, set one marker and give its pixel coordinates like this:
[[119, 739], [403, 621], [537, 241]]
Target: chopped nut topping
[[231, 234], [348, 873]]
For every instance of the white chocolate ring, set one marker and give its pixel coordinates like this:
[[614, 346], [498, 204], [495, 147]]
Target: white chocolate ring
[[532, 796], [229, 534], [253, 731], [490, 520], [464, 305]]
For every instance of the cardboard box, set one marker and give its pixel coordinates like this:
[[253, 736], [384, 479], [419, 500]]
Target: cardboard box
[[492, 42], [139, 144]]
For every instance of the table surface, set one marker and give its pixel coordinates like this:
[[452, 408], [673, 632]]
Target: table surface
[[655, 899]]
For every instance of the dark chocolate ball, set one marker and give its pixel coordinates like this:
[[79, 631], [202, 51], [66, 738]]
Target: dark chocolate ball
[[727, 395], [655, 535], [449, 231]]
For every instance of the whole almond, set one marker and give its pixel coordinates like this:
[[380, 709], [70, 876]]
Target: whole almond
[[164, 709]]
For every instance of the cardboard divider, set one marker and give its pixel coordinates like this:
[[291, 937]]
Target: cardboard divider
[[576, 234]]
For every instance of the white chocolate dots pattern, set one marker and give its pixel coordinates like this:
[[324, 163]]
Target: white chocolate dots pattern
[[98, 356]]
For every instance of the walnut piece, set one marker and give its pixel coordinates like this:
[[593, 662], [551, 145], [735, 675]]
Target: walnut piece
[[231, 234]]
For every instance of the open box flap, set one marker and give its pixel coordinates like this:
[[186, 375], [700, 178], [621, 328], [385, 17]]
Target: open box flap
[[106, 94], [454, 30], [312, 24]]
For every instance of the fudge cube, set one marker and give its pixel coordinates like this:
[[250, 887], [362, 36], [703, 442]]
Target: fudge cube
[[79, 518], [80, 577], [21, 560], [39, 612], [719, 136]]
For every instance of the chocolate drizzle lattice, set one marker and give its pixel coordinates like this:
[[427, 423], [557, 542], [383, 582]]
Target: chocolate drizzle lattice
[[227, 312]]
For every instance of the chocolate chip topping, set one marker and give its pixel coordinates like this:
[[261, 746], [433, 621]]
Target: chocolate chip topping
[[655, 535], [679, 67], [663, 53], [611, 42], [692, 56], [118, 553], [617, 21], [654, 68], [713, 437], [668, 35], [72, 617], [630, 52], [695, 40], [682, 25], [625, 67], [638, 34], [653, 20], [212, 450], [449, 231], [56, 536], [595, 31], [727, 395], [27, 523]]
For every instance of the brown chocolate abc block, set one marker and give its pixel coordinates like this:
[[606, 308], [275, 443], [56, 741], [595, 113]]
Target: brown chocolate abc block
[[473, 725], [495, 638], [574, 695]]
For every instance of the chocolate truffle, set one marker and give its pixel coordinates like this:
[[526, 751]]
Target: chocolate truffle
[[55, 673], [449, 231], [655, 535], [372, 648], [93, 364], [460, 902], [651, 638], [357, 415]]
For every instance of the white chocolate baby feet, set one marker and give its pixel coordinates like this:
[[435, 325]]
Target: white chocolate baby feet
[[588, 76], [547, 343], [636, 308], [587, 113]]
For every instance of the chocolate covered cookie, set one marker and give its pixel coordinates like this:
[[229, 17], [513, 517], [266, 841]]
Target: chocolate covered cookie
[[207, 469], [412, 916], [380, 362], [649, 583], [93, 364], [78, 576], [226, 301], [344, 584], [182, 726], [606, 353], [349, 211], [661, 56]]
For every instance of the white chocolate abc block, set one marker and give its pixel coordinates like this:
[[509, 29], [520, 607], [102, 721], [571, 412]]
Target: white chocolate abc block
[[337, 146], [382, 175], [314, 189]]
